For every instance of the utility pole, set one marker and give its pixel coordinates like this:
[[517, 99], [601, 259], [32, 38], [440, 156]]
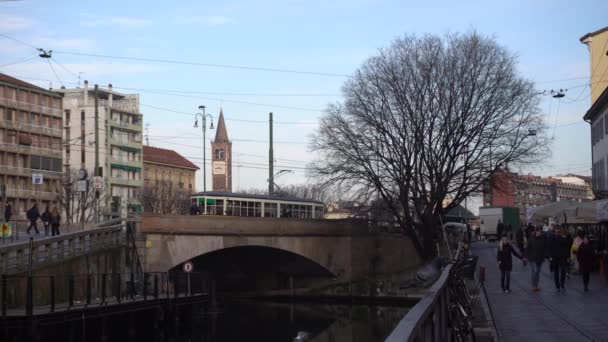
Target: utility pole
[[96, 171], [270, 162]]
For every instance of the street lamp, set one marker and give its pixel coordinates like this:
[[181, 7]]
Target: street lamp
[[204, 128]]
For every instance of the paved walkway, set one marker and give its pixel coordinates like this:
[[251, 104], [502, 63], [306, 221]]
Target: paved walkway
[[548, 315]]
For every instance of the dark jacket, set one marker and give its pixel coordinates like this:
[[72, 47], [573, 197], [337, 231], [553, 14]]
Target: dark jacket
[[500, 228], [46, 216], [505, 257], [536, 248], [55, 219], [586, 257], [8, 212], [33, 214], [559, 247]]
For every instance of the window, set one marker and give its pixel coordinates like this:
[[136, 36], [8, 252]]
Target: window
[[82, 113], [219, 154]]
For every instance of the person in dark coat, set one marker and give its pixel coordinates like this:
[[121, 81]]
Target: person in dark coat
[[559, 253], [46, 220], [505, 262], [194, 210], [499, 229], [8, 212], [33, 215], [536, 256], [586, 257], [519, 239], [55, 221]]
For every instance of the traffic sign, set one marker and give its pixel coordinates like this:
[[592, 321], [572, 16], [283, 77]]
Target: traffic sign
[[188, 267], [81, 186], [37, 178], [97, 182]]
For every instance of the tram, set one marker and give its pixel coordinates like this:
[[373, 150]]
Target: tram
[[251, 205]]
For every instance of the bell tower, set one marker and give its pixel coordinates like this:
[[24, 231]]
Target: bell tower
[[221, 158]]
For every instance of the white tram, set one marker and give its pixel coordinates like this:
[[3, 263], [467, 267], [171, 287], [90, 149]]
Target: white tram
[[250, 205]]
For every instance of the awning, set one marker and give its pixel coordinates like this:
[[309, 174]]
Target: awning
[[126, 167], [570, 211], [128, 149]]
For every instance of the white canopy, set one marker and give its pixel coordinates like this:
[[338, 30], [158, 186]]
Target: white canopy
[[568, 211]]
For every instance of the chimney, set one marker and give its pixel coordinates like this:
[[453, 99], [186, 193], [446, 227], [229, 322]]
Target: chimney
[[110, 95], [86, 93]]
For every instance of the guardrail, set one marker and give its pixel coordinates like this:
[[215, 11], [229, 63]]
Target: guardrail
[[14, 258]]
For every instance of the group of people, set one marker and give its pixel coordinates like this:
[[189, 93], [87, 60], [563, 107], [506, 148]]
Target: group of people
[[556, 246], [51, 219]]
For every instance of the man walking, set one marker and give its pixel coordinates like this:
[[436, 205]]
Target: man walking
[[33, 215], [559, 252], [536, 256], [499, 229], [8, 212]]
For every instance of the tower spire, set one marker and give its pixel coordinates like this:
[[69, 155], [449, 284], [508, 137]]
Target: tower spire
[[221, 135]]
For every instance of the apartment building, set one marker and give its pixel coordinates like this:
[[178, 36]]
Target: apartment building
[[30, 144], [167, 166], [119, 128]]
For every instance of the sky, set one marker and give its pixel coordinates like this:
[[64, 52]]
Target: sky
[[237, 56]]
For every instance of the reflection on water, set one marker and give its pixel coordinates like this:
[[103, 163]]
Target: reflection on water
[[234, 321]]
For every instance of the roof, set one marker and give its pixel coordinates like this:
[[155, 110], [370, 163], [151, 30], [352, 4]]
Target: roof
[[460, 211], [594, 33], [169, 157], [221, 135], [9, 79], [585, 178], [596, 108], [255, 196]]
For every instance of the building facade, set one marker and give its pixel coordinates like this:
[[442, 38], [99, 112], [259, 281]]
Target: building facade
[[597, 115], [30, 144], [221, 159], [167, 166], [119, 134], [508, 189]]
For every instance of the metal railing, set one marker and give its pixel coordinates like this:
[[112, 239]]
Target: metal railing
[[19, 171], [27, 295], [27, 149], [31, 128]]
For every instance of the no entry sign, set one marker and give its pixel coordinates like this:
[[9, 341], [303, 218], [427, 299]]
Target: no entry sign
[[188, 267]]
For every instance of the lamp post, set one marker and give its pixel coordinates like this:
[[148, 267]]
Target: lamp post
[[204, 128]]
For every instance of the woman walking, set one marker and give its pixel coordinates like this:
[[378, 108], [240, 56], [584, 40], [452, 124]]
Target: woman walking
[[505, 262], [585, 256], [55, 221]]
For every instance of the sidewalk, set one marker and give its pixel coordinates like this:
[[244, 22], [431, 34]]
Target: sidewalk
[[23, 236], [548, 315]]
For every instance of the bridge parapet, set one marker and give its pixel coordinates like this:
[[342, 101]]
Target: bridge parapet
[[229, 225]]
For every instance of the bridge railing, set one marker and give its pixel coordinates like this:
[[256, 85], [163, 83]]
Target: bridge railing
[[22, 295], [429, 319], [16, 257]]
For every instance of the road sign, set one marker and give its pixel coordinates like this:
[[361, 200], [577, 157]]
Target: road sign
[[97, 182], [188, 266], [37, 178], [81, 186]]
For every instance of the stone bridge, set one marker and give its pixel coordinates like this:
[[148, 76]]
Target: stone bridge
[[272, 251]]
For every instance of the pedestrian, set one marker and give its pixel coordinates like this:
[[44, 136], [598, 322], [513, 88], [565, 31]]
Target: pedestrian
[[478, 232], [535, 252], [559, 253], [519, 239], [505, 262], [8, 212], [499, 229], [586, 257], [55, 221], [578, 240], [194, 210], [46, 220], [509, 231], [33, 215]]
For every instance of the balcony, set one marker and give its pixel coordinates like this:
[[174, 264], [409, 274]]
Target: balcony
[[38, 195], [127, 182], [131, 163], [125, 125], [133, 144], [30, 107], [31, 128], [24, 171], [25, 149], [130, 106]]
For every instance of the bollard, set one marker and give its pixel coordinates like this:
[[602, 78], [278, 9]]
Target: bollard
[[482, 273], [52, 289]]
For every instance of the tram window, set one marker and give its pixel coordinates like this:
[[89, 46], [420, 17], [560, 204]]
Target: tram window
[[270, 210], [258, 209]]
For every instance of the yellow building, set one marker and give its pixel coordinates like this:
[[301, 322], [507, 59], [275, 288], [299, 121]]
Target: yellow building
[[168, 167], [598, 53]]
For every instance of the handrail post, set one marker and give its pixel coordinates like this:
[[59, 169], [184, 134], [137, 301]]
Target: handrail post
[[89, 289], [4, 295], [52, 289], [118, 281], [103, 287], [29, 301], [156, 286], [132, 287], [175, 286], [145, 287], [70, 290]]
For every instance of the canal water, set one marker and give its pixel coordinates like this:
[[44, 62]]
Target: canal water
[[231, 321]]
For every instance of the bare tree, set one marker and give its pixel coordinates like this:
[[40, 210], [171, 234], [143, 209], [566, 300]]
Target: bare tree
[[426, 118], [164, 198], [78, 206]]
